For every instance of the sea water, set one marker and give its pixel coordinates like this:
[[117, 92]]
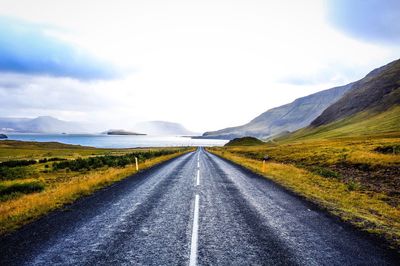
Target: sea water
[[117, 141]]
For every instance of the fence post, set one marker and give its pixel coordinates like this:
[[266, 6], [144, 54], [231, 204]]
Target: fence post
[[137, 166], [263, 166]]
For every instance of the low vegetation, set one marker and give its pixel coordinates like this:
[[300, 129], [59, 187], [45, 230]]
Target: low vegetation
[[85, 164], [14, 163], [10, 173], [14, 189], [391, 149], [47, 176], [356, 178]]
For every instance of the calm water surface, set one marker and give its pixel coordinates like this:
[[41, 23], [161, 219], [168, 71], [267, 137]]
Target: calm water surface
[[112, 141]]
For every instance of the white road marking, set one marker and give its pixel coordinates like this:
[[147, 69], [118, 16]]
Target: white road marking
[[198, 177], [195, 229], [198, 164]]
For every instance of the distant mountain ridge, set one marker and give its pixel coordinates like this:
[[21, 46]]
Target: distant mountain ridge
[[288, 117], [377, 92], [371, 108], [41, 124], [162, 128], [48, 124]]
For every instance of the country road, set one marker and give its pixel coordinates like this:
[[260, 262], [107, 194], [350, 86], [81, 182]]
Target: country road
[[197, 209]]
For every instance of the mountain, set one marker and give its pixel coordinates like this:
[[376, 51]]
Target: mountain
[[48, 124], [370, 108], [375, 93], [162, 128], [11, 124], [41, 124], [288, 117]]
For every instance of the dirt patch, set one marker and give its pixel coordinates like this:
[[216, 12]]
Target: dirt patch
[[379, 179]]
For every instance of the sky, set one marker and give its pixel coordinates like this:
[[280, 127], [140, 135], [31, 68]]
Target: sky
[[204, 64]]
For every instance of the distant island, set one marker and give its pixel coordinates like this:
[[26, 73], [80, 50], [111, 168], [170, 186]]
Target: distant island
[[2, 136], [122, 132]]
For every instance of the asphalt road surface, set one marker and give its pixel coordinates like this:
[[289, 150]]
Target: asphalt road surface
[[197, 209]]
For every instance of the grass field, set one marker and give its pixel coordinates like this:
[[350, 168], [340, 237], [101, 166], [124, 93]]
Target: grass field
[[356, 178], [31, 185]]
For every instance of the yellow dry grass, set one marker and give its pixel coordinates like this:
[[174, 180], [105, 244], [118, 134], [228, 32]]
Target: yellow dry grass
[[366, 210], [17, 212], [373, 158]]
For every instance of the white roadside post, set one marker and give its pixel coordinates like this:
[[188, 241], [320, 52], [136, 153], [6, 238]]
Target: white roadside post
[[266, 158], [263, 166], [137, 166]]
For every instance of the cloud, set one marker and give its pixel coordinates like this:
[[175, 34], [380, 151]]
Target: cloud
[[43, 93], [306, 79], [329, 73], [31, 49], [371, 20], [23, 95]]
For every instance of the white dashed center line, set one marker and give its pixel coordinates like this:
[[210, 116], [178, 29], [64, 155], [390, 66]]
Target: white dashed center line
[[195, 229]]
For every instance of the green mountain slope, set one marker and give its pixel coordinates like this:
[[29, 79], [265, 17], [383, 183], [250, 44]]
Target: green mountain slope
[[386, 123], [288, 117], [377, 92], [370, 108]]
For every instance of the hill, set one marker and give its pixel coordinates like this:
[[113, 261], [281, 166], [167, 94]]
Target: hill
[[363, 124], [288, 117], [372, 107], [245, 141], [377, 92], [162, 128]]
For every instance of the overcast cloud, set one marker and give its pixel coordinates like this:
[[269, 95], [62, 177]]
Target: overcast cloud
[[31, 49], [370, 20], [205, 64]]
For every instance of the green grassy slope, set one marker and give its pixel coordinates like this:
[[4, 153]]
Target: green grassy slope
[[365, 123], [377, 92]]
